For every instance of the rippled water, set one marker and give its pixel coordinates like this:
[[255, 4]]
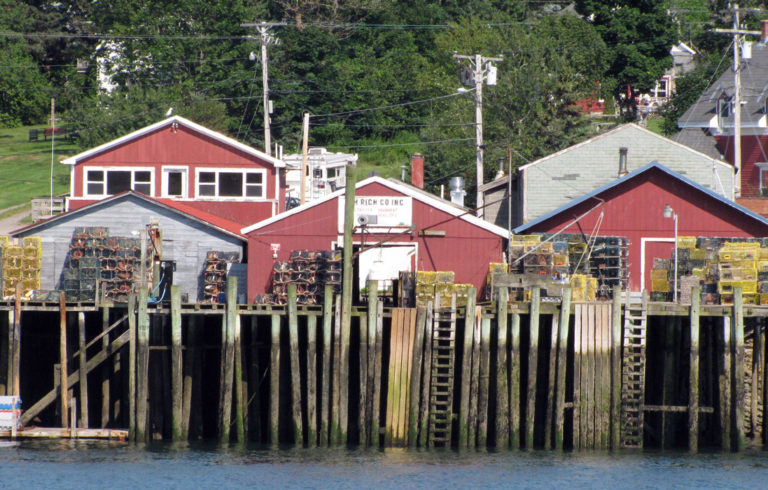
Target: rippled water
[[67, 464]]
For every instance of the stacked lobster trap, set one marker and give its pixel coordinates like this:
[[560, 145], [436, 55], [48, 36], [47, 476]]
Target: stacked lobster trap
[[96, 259], [21, 263], [215, 274], [310, 271]]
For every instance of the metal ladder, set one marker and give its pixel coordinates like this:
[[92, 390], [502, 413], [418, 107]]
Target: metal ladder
[[633, 373], [442, 374]]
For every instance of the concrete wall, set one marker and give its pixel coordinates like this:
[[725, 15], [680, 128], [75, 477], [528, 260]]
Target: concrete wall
[[184, 240], [557, 179]]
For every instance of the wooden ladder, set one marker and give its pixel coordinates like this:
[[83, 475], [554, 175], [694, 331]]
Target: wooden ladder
[[633, 373], [442, 374]]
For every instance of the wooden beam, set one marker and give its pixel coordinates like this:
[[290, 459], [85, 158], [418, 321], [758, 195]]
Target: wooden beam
[[693, 374], [83, 423], [616, 368], [227, 361], [142, 376], [416, 373], [466, 367], [239, 390], [514, 383], [312, 381], [63, 360], [106, 370], [502, 377], [533, 359], [325, 382], [293, 334], [274, 383], [132, 373], [738, 371], [562, 354], [177, 380]]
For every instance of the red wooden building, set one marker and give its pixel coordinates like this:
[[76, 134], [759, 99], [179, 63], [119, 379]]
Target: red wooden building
[[181, 160], [633, 207], [405, 229]]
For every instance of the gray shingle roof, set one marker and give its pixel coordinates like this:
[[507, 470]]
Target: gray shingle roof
[[700, 140]]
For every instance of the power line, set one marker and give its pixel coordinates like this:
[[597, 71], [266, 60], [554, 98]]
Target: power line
[[392, 106], [405, 144]]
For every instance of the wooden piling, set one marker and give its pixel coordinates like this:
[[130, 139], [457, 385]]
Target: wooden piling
[[416, 373], [514, 383], [533, 359], [373, 311], [293, 334], [377, 367], [326, 368], [312, 381], [177, 381], [616, 368], [227, 361], [549, 418], [15, 359], [239, 389], [738, 371], [274, 382], [106, 369], [132, 365], [562, 354], [63, 361], [427, 379], [81, 366], [578, 406], [336, 375], [725, 385], [474, 387], [502, 378], [483, 387], [142, 361], [693, 374], [466, 368]]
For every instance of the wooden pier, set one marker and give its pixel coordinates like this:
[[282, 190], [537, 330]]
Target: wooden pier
[[546, 373]]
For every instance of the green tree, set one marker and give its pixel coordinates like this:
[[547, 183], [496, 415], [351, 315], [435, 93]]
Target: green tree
[[639, 34]]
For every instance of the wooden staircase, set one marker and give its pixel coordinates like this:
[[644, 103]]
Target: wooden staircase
[[442, 374], [633, 373]]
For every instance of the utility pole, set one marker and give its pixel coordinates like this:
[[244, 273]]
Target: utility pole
[[53, 144], [266, 38], [304, 152], [736, 32], [482, 70]]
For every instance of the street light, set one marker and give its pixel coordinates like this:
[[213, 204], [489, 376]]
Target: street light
[[670, 213]]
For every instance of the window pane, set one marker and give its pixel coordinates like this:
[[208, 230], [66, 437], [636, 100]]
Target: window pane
[[253, 191], [143, 188], [254, 178], [174, 184], [95, 189], [207, 177], [118, 181], [230, 184], [96, 175], [206, 190], [142, 176]]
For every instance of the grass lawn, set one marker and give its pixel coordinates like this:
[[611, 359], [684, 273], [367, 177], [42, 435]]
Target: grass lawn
[[25, 166]]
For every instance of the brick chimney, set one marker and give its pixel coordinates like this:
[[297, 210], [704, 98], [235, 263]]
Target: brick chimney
[[764, 31], [417, 170]]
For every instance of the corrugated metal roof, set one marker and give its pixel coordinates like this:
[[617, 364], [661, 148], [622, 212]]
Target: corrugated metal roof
[[212, 221], [653, 165], [167, 122]]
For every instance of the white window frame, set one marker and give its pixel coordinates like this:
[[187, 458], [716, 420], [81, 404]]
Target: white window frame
[[763, 185], [244, 172], [184, 181], [133, 171]]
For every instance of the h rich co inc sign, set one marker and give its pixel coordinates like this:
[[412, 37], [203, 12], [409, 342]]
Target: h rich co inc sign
[[378, 213]]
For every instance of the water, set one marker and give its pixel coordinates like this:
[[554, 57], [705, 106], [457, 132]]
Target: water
[[68, 464]]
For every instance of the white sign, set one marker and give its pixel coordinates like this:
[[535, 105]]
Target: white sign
[[378, 213]]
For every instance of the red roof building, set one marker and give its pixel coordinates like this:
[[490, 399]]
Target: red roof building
[[180, 160], [633, 207], [406, 229]]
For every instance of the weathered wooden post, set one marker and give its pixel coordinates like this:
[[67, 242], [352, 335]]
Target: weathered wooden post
[[240, 391], [425, 385], [466, 367], [483, 387], [533, 360], [274, 382], [227, 361], [63, 360], [377, 367], [502, 379], [416, 372], [312, 380], [142, 361], [562, 354], [346, 301], [514, 383], [693, 375], [549, 418], [106, 368], [188, 368], [83, 371], [326, 368], [177, 383], [293, 334], [738, 371], [616, 368]]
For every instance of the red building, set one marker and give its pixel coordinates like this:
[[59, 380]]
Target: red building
[[180, 160], [633, 207], [405, 229]]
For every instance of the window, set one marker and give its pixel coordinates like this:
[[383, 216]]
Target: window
[[724, 107], [174, 182], [227, 184], [103, 182], [763, 172]]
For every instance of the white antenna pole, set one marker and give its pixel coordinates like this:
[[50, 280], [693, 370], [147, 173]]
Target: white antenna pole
[[737, 103], [53, 145]]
